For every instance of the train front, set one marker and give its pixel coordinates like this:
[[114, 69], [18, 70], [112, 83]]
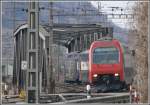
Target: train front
[[106, 62]]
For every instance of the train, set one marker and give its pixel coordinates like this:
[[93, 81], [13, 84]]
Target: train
[[102, 63]]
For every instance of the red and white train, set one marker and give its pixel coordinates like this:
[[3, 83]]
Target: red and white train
[[103, 62]]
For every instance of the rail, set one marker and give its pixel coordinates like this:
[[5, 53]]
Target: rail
[[120, 98], [75, 98], [11, 99]]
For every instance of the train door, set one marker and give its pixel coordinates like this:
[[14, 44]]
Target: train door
[[84, 66]]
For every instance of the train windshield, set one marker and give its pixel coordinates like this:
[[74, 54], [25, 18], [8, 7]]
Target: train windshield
[[105, 55]]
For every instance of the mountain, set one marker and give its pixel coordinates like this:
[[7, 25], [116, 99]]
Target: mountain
[[83, 8]]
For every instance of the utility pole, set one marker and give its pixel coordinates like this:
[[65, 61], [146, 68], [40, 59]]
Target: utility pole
[[51, 81], [0, 56], [32, 87], [148, 54], [14, 27]]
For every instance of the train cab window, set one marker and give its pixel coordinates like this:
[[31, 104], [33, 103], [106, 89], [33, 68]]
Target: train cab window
[[105, 55]]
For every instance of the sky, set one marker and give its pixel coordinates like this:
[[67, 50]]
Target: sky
[[126, 5], [104, 4], [7, 14]]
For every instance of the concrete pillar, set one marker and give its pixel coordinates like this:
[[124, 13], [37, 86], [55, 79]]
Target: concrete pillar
[[51, 74], [32, 53]]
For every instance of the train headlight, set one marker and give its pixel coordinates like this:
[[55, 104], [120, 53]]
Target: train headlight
[[95, 75], [116, 74]]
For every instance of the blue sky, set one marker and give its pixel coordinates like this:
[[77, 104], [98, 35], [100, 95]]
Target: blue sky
[[126, 5], [7, 13]]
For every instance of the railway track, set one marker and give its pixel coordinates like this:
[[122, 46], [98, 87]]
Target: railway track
[[11, 99], [70, 88], [75, 98], [80, 88], [116, 98], [73, 93]]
